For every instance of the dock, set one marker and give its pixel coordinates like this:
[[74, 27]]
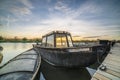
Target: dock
[[110, 67]]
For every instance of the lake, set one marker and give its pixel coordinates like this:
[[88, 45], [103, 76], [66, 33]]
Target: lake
[[47, 72], [10, 50]]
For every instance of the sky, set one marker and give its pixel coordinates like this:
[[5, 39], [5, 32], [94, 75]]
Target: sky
[[83, 18]]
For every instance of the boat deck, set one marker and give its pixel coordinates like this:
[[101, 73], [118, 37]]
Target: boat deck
[[110, 68], [24, 66]]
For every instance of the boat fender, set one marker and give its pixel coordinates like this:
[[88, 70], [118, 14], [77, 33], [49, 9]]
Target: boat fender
[[103, 67]]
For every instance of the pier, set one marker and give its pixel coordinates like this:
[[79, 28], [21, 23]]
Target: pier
[[110, 68]]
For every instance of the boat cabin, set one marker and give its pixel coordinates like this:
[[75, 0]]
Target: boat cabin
[[104, 42], [58, 50], [57, 39]]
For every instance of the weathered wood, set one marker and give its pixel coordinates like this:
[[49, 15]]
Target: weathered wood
[[94, 78], [114, 68], [112, 63], [110, 76], [115, 73], [101, 77], [113, 57]]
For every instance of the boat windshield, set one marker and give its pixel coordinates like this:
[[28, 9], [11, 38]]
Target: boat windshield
[[69, 41], [44, 41], [61, 40], [50, 41], [58, 40]]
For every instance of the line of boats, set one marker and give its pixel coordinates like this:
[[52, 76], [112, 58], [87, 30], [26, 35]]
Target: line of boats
[[56, 49]]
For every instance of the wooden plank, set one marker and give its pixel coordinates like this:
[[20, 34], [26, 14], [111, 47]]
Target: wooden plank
[[113, 57], [101, 77], [112, 77], [117, 74], [94, 78], [112, 60], [114, 68], [116, 52], [114, 63], [115, 48]]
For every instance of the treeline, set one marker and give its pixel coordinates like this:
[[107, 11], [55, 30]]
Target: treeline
[[78, 41], [24, 39], [16, 39]]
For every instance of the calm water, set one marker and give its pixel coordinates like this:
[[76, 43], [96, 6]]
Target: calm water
[[47, 72], [10, 50]]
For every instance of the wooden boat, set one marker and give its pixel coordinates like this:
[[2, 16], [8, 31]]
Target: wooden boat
[[57, 49], [23, 67]]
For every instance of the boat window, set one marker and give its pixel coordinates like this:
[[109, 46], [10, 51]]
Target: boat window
[[50, 41], [61, 40], [44, 41], [69, 41]]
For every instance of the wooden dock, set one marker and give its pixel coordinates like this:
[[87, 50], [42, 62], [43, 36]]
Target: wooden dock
[[111, 65]]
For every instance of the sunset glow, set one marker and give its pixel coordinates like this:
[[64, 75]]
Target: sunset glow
[[84, 18]]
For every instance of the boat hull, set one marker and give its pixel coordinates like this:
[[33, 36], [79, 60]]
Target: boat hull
[[64, 58]]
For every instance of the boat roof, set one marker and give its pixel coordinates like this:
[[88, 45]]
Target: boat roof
[[56, 32]]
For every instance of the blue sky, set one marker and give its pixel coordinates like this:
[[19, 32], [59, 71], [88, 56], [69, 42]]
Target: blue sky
[[34, 18]]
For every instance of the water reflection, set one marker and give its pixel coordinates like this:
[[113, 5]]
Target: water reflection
[[13, 49], [52, 73]]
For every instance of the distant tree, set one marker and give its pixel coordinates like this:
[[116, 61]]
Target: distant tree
[[16, 38], [37, 40], [24, 39], [1, 38]]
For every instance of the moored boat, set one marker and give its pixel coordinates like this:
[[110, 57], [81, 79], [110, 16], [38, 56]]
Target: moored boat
[[23, 67], [57, 49], [106, 45]]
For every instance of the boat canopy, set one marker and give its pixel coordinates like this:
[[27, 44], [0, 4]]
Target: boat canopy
[[58, 39], [104, 42]]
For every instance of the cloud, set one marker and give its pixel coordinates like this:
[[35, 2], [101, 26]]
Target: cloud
[[87, 9], [17, 7], [27, 3], [61, 7], [76, 26], [89, 18], [22, 11], [48, 1]]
